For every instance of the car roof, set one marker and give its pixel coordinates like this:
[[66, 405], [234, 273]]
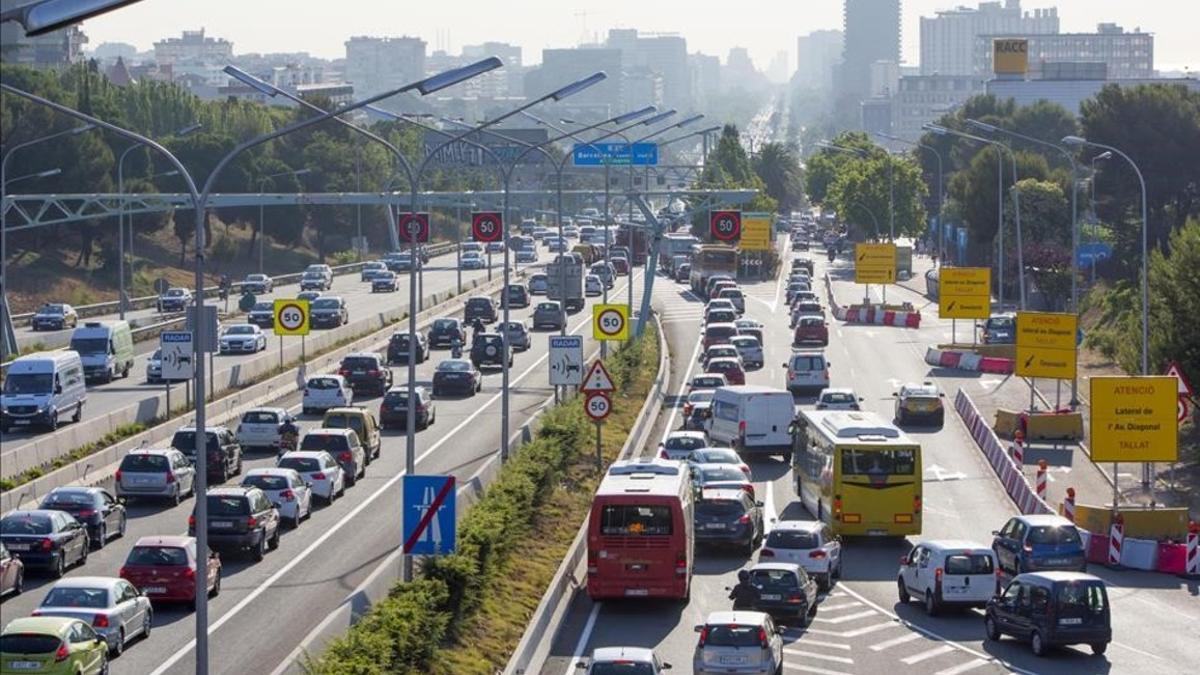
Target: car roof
[[46, 625], [266, 409], [326, 431], [270, 471], [799, 525], [736, 618], [955, 545], [837, 390], [367, 354], [165, 540], [230, 490], [207, 428], [69, 489], [85, 582], [714, 494], [776, 566], [724, 359], [1039, 519], [306, 454], [1054, 576], [686, 434], [151, 451], [605, 654]]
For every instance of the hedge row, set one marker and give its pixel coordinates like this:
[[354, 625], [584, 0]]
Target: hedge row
[[402, 633]]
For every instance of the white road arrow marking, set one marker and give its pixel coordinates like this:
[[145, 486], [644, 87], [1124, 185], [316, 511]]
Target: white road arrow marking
[[940, 474], [989, 382]]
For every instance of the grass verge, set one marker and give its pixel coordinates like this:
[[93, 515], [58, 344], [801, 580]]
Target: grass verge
[[465, 613]]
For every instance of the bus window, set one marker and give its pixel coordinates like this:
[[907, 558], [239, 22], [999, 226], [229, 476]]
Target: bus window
[[899, 462], [631, 520]]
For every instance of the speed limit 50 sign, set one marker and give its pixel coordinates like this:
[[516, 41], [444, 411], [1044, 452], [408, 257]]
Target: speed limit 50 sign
[[487, 226], [725, 225], [610, 322], [291, 317], [597, 406]]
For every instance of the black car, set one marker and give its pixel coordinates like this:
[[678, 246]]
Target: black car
[[444, 330], [1052, 608], [224, 457], [488, 351], [480, 307], [240, 518], [366, 372], [515, 295], [683, 273], [328, 311], [456, 375], [397, 350], [101, 513], [26, 533], [393, 412], [785, 591], [728, 516], [262, 315]]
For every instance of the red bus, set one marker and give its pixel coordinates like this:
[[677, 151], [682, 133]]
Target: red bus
[[634, 239], [639, 540]]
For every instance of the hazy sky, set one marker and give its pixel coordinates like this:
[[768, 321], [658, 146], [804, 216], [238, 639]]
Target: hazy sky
[[764, 26]]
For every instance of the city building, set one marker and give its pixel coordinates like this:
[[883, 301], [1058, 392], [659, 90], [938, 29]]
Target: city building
[[948, 40], [1128, 55], [503, 82], [705, 71], [778, 71], [1068, 92], [884, 76], [925, 98], [642, 86], [56, 49], [109, 52], [378, 64], [817, 54], [193, 48], [876, 114], [560, 67], [664, 53], [872, 33], [740, 73]]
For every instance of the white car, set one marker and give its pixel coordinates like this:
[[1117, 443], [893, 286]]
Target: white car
[[678, 445], [287, 489], [319, 469], [750, 351], [631, 660], [322, 392], [807, 370], [472, 261], [111, 606], [838, 399], [941, 573], [592, 285], [242, 338], [719, 303], [259, 427], [810, 544], [708, 381]]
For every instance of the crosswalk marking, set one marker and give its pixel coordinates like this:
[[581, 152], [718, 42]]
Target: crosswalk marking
[[844, 605], [926, 655], [962, 668], [821, 643], [820, 657], [895, 641], [847, 617], [853, 633], [812, 669]]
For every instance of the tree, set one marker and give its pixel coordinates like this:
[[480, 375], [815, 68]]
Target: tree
[[779, 169], [878, 184], [975, 190], [822, 167], [729, 167], [1175, 302]]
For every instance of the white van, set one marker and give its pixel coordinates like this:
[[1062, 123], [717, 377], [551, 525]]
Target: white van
[[752, 418], [106, 348], [41, 388], [948, 573], [807, 370]]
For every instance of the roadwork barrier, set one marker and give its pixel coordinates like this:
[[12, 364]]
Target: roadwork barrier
[[1011, 476], [901, 316], [968, 360]]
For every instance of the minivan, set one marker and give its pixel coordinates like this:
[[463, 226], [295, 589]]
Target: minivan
[[106, 349], [40, 388], [1052, 608], [807, 371], [752, 418], [948, 573]]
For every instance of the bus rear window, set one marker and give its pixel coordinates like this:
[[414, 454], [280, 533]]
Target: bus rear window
[[635, 520], [899, 462]]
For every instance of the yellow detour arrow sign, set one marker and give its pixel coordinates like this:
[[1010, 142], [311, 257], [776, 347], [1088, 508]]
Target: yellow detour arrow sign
[[1046, 345], [1133, 419], [874, 263], [964, 293], [756, 233]]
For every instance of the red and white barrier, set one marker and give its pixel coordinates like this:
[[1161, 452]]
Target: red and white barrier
[[966, 360], [1008, 471], [1069, 505], [1116, 540], [1018, 449], [880, 317], [1191, 566], [1040, 483]]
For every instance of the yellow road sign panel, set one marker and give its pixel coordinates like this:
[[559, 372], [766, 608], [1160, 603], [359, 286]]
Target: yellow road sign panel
[[1046, 345], [874, 263], [964, 292], [756, 233], [610, 322], [874, 276], [963, 306], [291, 317], [1133, 419]]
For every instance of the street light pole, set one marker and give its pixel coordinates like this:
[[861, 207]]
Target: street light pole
[[941, 188]]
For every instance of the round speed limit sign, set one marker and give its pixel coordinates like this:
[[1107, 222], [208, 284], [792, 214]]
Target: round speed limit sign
[[610, 322], [725, 225], [597, 406], [486, 226], [291, 317]]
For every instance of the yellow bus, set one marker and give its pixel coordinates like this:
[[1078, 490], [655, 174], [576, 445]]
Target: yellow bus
[[857, 472]]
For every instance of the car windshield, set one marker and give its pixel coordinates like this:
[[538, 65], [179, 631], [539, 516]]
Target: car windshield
[[159, 556], [454, 366], [256, 277], [513, 327], [1001, 323], [176, 293], [219, 505], [263, 307], [240, 330], [444, 324], [837, 397], [479, 303], [1054, 535], [716, 456], [90, 598], [635, 520], [701, 396], [782, 538], [300, 464], [548, 306], [1077, 597], [185, 441], [26, 523], [711, 474], [808, 362], [52, 309], [722, 365], [774, 579], [145, 463], [28, 383], [326, 303], [812, 322], [28, 643], [731, 636], [898, 462], [267, 482], [343, 421], [684, 443], [96, 345], [60, 498], [325, 383], [260, 417]]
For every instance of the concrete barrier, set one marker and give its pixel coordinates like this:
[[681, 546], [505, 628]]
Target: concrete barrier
[[1007, 423], [1011, 476], [1054, 426], [1141, 522]]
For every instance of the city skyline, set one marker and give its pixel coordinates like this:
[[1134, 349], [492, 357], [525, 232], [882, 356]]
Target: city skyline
[[151, 20]]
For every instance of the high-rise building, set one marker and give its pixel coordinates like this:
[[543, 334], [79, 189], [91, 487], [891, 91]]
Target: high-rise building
[[664, 53], [817, 54], [925, 98], [52, 50], [502, 82], [192, 48], [778, 71], [375, 65], [706, 78], [1128, 55], [561, 67], [948, 39], [872, 33]]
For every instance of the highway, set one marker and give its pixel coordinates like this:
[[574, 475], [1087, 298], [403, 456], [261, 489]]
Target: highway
[[266, 610], [860, 626]]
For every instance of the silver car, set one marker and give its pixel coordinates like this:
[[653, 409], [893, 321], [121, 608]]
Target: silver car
[[259, 427], [111, 606], [518, 335], [153, 473], [287, 490], [738, 642], [319, 469], [749, 350]]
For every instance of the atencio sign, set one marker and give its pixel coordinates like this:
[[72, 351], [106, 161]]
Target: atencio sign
[[1046, 345], [1133, 419]]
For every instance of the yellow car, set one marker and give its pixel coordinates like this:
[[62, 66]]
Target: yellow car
[[52, 645], [920, 402]]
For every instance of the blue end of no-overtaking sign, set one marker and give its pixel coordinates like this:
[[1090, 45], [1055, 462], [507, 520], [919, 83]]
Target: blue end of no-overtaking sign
[[428, 515]]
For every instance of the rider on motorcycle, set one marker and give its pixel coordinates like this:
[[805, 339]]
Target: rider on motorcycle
[[744, 595], [289, 435]]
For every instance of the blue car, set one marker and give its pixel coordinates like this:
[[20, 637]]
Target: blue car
[[1037, 543]]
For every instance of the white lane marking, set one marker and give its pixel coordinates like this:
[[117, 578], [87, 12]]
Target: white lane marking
[[858, 632], [769, 514], [584, 636], [887, 644], [962, 668], [822, 643], [812, 669], [687, 377], [844, 605], [814, 655], [333, 529], [1135, 650], [846, 617], [926, 655]]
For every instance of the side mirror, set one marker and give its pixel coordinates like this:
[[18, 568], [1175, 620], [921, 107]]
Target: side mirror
[[861, 399], [98, 641], [758, 504], [995, 533], [308, 484], [581, 664], [783, 365], [276, 505], [665, 665], [122, 501], [780, 630], [895, 394], [904, 560], [58, 389]]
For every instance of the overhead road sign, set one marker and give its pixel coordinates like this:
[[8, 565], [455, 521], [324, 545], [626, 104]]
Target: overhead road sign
[[725, 225], [566, 360], [291, 317], [610, 322], [964, 293], [1046, 344], [413, 227], [428, 517], [875, 263], [178, 355], [615, 154], [756, 232], [597, 406], [597, 379], [487, 226], [1133, 419]]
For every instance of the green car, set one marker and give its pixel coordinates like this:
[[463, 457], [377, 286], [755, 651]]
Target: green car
[[52, 645]]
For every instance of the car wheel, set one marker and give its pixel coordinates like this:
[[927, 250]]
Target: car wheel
[[121, 527], [119, 647], [178, 496], [147, 623], [1037, 644], [902, 592], [293, 523], [1099, 648], [260, 549], [350, 481], [98, 543], [53, 423], [342, 491], [216, 589], [273, 543], [991, 629], [931, 604], [225, 472], [78, 412], [19, 583], [60, 567], [83, 555], [104, 664]]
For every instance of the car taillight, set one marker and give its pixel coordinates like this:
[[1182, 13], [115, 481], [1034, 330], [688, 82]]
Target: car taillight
[[117, 476], [190, 573], [681, 563], [748, 488], [100, 621], [252, 522], [762, 637], [766, 552], [344, 457], [1028, 548], [343, 372], [339, 393], [937, 579], [703, 635], [837, 505], [170, 477], [999, 575], [288, 496], [818, 554], [191, 521], [745, 519], [123, 572], [687, 409], [62, 653], [917, 504], [592, 567], [742, 428], [373, 373], [86, 513], [319, 476], [47, 544], [662, 454], [745, 469], [795, 599]]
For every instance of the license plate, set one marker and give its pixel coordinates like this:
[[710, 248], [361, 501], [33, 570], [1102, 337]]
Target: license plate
[[24, 665], [637, 592], [1057, 561], [771, 596], [220, 524], [1070, 622], [715, 526], [19, 422], [155, 589], [877, 533], [19, 547], [733, 660]]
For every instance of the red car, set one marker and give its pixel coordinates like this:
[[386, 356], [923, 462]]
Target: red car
[[729, 367], [811, 330], [718, 333], [620, 265], [164, 568]]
